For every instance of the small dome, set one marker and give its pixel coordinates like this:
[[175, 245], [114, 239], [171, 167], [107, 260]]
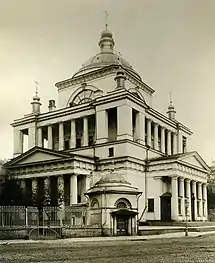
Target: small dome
[[106, 33], [112, 178]]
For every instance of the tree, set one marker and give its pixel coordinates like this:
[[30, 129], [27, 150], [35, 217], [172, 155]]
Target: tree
[[11, 193]]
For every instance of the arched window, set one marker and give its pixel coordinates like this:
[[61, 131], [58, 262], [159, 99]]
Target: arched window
[[123, 203], [86, 95], [94, 203], [83, 94]]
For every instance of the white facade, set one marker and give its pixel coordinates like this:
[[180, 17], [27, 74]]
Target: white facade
[[104, 121]]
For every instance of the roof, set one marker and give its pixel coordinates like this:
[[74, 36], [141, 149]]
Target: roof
[[113, 183], [191, 158], [38, 155], [106, 57]]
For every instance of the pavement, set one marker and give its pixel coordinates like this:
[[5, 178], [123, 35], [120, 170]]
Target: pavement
[[103, 239]]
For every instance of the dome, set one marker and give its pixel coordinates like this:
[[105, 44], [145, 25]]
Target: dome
[[106, 57], [106, 33], [112, 178], [113, 182]]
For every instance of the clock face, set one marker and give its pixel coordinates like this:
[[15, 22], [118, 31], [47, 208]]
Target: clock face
[[84, 96]]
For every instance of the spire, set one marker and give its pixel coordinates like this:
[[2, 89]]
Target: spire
[[171, 109], [36, 100], [106, 42]]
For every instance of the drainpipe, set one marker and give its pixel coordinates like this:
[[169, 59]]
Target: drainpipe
[[146, 169], [138, 197]]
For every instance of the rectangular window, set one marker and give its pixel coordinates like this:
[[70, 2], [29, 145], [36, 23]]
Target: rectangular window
[[112, 124], [66, 144], [179, 206], [151, 205], [78, 142], [111, 152]]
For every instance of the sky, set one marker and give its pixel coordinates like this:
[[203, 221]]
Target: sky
[[170, 43]]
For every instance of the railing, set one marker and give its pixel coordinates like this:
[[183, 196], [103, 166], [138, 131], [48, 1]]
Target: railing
[[47, 216]]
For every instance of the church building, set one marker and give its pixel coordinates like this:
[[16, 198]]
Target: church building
[[106, 147]]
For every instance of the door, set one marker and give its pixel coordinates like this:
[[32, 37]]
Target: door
[[122, 225], [166, 208]]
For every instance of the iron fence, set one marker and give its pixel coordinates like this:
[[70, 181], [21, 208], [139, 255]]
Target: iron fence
[[48, 216]]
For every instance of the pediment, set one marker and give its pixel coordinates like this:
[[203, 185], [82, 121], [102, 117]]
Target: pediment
[[194, 159], [36, 155]]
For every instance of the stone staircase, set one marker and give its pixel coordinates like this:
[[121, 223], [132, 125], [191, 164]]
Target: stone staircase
[[156, 228]]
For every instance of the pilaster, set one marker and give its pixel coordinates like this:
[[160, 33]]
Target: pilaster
[[124, 122], [73, 134], [61, 136], [101, 126], [85, 132]]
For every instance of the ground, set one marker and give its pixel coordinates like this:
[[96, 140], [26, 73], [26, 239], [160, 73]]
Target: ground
[[177, 250]]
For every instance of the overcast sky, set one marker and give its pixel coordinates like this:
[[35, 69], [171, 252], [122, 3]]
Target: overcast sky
[[170, 43]]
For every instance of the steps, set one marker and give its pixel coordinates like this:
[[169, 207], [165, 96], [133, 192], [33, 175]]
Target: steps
[[174, 227]]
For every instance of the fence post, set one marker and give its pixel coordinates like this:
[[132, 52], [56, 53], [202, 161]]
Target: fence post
[[26, 216], [2, 216]]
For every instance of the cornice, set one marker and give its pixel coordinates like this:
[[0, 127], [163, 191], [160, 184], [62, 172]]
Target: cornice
[[43, 167], [101, 73], [175, 124]]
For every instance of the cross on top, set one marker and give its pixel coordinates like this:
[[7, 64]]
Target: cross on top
[[36, 86], [106, 19]]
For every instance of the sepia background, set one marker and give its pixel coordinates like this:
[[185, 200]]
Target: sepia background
[[170, 43]]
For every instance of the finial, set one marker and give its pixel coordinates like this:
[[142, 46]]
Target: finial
[[170, 95], [36, 87], [106, 20]]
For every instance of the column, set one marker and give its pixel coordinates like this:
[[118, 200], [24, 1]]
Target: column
[[180, 143], [205, 212], [188, 197], [124, 122], [101, 126], [174, 200], [195, 198], [85, 132], [168, 142], [162, 139], [73, 134], [40, 137], [32, 136], [23, 188], [141, 128], [50, 139], [174, 143], [60, 187], [73, 189], [61, 136], [156, 136], [181, 193], [47, 191], [149, 139], [34, 191], [200, 199], [17, 142]]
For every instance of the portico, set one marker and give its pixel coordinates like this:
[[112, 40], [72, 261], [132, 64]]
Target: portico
[[181, 178], [63, 177]]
